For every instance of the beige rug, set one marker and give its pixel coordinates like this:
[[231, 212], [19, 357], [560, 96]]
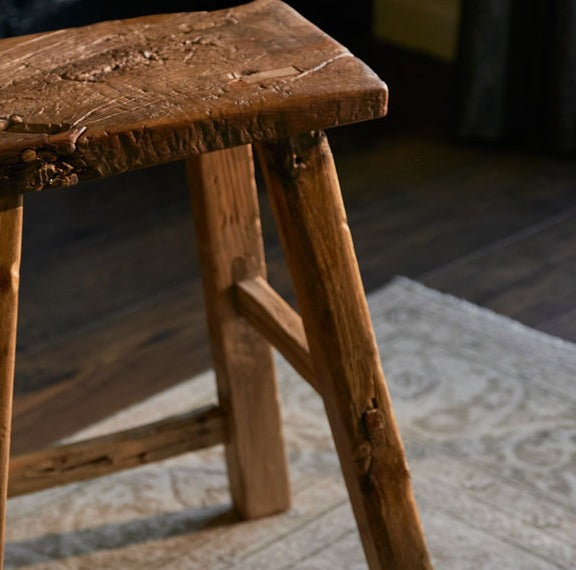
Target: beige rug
[[487, 409]]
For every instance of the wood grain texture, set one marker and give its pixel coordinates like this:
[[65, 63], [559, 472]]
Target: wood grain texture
[[230, 248], [305, 193], [264, 309], [118, 451], [102, 99], [10, 252]]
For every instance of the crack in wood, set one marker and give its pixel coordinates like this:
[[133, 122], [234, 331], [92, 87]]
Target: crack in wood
[[63, 466], [322, 65], [198, 429]]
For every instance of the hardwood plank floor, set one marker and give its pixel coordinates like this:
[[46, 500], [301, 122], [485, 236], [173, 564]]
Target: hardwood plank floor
[[527, 276], [111, 309]]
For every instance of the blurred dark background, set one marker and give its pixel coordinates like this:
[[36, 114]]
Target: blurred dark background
[[468, 186], [28, 16]]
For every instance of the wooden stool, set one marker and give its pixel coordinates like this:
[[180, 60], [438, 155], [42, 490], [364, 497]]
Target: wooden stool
[[203, 87]]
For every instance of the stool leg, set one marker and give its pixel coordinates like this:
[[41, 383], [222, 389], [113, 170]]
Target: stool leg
[[304, 191], [10, 249], [226, 213]]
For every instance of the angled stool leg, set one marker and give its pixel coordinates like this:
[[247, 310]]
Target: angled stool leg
[[10, 249], [227, 220], [302, 182]]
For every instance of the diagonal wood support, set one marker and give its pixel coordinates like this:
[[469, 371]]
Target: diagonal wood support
[[107, 454], [280, 325]]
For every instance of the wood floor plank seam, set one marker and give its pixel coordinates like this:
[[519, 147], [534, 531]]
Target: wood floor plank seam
[[499, 245]]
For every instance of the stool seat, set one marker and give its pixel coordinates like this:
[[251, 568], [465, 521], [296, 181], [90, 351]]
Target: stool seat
[[98, 100]]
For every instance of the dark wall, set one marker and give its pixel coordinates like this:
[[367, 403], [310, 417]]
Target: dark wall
[[27, 16]]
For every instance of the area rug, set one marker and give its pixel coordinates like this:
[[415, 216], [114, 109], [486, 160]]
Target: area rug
[[487, 410]]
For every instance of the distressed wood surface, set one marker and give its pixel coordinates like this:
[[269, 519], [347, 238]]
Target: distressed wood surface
[[260, 305], [10, 251], [305, 195], [118, 451], [102, 99], [230, 248]]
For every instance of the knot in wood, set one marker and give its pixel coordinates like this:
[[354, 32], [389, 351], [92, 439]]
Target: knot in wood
[[47, 155], [54, 174], [28, 155], [375, 426], [298, 162], [7, 122]]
